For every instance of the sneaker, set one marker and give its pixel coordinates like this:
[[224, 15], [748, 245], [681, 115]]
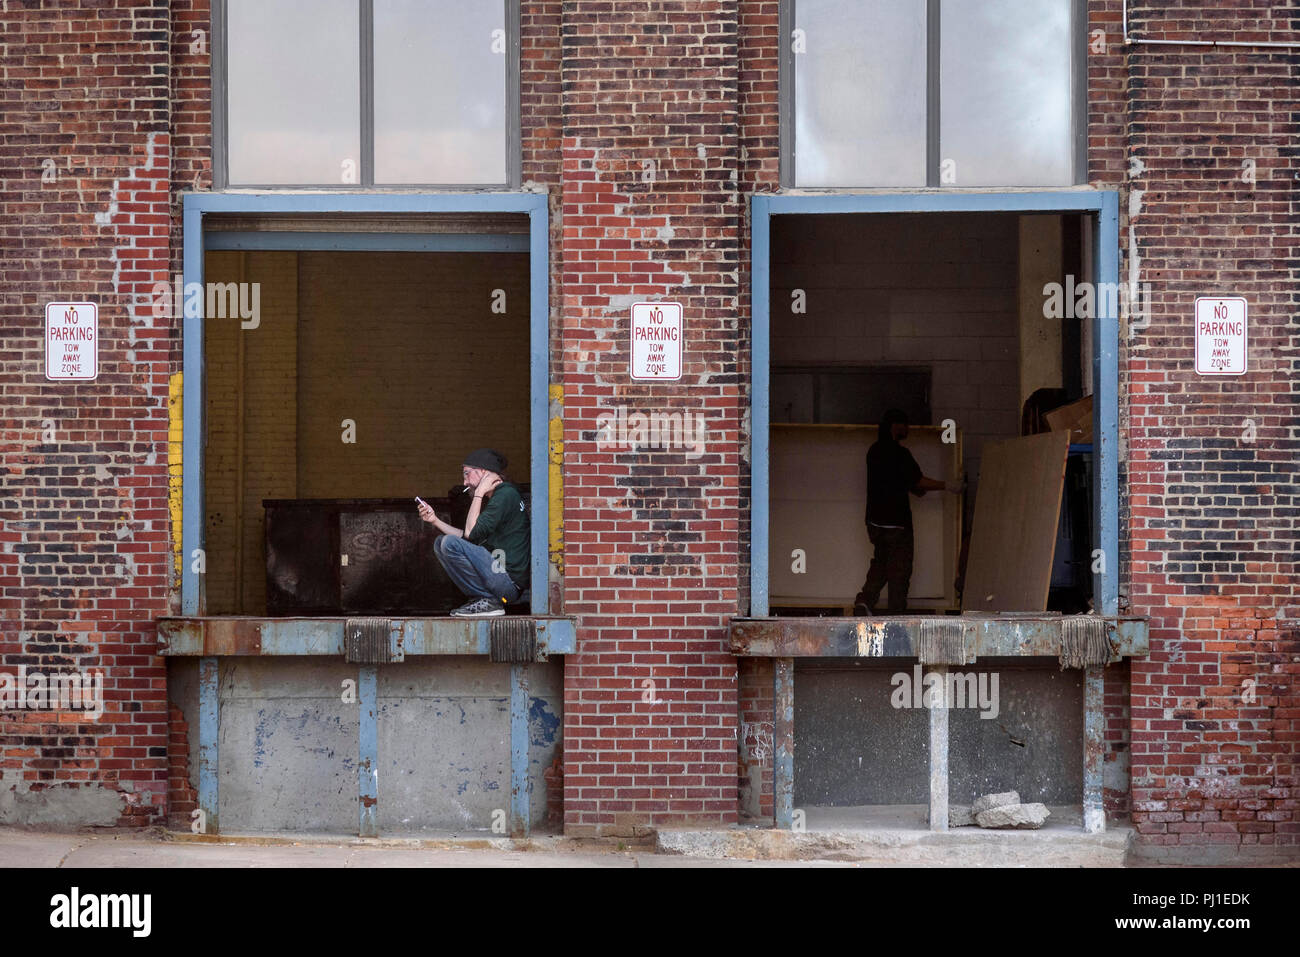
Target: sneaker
[[479, 608], [861, 611]]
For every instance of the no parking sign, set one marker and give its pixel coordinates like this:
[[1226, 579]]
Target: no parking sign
[[656, 340], [1221, 336], [71, 340]]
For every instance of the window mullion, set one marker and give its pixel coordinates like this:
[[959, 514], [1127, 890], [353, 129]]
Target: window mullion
[[218, 50], [932, 115], [367, 58]]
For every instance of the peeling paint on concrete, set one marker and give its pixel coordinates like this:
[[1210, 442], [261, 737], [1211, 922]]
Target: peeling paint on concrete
[[543, 723]]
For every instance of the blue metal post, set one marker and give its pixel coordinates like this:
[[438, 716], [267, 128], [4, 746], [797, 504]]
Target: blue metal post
[[192, 412], [209, 736], [539, 377], [759, 400], [1105, 425], [368, 750], [520, 785]]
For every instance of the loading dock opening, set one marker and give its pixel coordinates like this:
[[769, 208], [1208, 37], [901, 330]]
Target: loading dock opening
[[321, 231], [966, 638]]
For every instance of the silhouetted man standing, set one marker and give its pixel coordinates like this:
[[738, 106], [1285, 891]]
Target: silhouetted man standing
[[892, 473]]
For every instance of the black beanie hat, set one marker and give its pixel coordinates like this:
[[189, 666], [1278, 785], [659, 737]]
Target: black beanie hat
[[489, 459]]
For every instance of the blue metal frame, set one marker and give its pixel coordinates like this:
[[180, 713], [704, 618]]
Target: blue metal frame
[[372, 242], [1104, 204], [520, 783], [281, 637], [197, 205], [368, 751]]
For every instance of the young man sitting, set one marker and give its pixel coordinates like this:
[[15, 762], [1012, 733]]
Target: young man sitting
[[488, 558]]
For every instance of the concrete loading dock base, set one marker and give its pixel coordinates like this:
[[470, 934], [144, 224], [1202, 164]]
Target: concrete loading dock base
[[905, 639], [510, 707]]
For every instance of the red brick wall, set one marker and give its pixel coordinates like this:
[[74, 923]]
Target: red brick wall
[[760, 145], [1212, 510], [83, 513], [182, 796], [191, 120], [1209, 511], [651, 210]]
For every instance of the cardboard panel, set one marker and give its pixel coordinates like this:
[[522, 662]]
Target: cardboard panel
[[1017, 511], [818, 503], [1075, 418]]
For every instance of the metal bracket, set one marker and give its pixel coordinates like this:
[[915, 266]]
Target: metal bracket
[[512, 640], [1084, 642], [372, 641]]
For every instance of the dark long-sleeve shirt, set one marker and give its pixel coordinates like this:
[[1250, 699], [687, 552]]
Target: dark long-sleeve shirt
[[892, 473]]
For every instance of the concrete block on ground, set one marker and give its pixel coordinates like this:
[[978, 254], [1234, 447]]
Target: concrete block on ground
[[1019, 816], [989, 801]]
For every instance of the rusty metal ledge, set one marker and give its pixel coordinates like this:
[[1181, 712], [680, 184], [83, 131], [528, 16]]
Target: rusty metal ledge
[[241, 635], [984, 636]]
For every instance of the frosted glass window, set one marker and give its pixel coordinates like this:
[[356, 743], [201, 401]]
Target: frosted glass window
[[1004, 91], [864, 72], [860, 93], [294, 91], [440, 92]]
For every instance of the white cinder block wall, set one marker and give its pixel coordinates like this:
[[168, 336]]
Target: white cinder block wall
[[936, 290]]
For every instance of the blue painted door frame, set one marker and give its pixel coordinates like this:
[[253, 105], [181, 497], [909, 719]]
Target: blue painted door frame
[[198, 205], [1103, 204]]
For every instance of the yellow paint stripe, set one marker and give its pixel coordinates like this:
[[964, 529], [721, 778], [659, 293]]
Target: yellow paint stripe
[[175, 473], [556, 465]]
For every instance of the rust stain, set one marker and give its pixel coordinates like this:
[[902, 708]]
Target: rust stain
[[232, 636]]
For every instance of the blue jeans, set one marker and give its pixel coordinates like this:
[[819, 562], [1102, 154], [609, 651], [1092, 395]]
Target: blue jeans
[[469, 566]]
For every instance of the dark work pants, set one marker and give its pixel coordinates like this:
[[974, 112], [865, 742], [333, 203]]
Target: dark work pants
[[891, 564]]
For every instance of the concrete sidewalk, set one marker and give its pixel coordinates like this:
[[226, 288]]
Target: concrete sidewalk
[[834, 841], [25, 848]]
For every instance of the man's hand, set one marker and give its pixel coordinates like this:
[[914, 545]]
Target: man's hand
[[954, 487], [426, 513], [487, 484]]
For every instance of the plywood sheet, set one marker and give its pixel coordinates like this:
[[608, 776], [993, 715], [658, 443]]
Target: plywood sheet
[[1017, 512], [818, 480]]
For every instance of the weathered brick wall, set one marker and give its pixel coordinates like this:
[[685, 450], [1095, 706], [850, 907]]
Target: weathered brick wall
[[651, 210], [758, 51], [1211, 490], [85, 150]]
